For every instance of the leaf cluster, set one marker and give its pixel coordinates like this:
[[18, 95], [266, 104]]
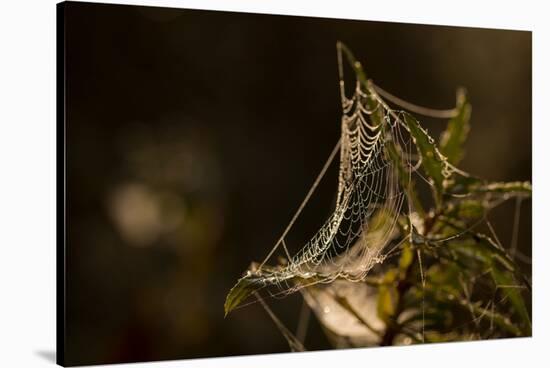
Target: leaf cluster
[[453, 279]]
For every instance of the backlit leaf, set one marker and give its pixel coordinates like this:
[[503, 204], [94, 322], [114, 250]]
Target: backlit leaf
[[453, 138]]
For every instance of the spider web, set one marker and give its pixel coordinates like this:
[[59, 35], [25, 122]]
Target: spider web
[[372, 194], [377, 211]]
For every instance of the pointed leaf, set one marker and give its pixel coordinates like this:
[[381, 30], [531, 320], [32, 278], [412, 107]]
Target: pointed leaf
[[394, 154], [269, 276], [510, 287], [388, 297], [433, 162], [242, 290], [469, 185], [517, 188], [377, 116], [453, 138], [406, 259]]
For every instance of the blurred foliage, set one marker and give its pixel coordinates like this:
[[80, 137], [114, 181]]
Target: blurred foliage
[[453, 279]]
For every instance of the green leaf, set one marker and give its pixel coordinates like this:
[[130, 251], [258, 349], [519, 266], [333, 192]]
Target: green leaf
[[444, 297], [506, 281], [470, 209], [504, 271], [516, 188], [394, 154], [387, 302], [377, 116], [433, 162], [254, 281], [407, 256], [444, 287], [388, 297], [469, 185], [480, 246], [443, 276], [269, 276], [497, 318], [453, 138], [460, 185], [243, 289], [466, 209], [353, 62]]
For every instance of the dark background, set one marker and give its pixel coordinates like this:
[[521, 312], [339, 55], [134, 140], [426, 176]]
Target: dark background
[[192, 136]]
